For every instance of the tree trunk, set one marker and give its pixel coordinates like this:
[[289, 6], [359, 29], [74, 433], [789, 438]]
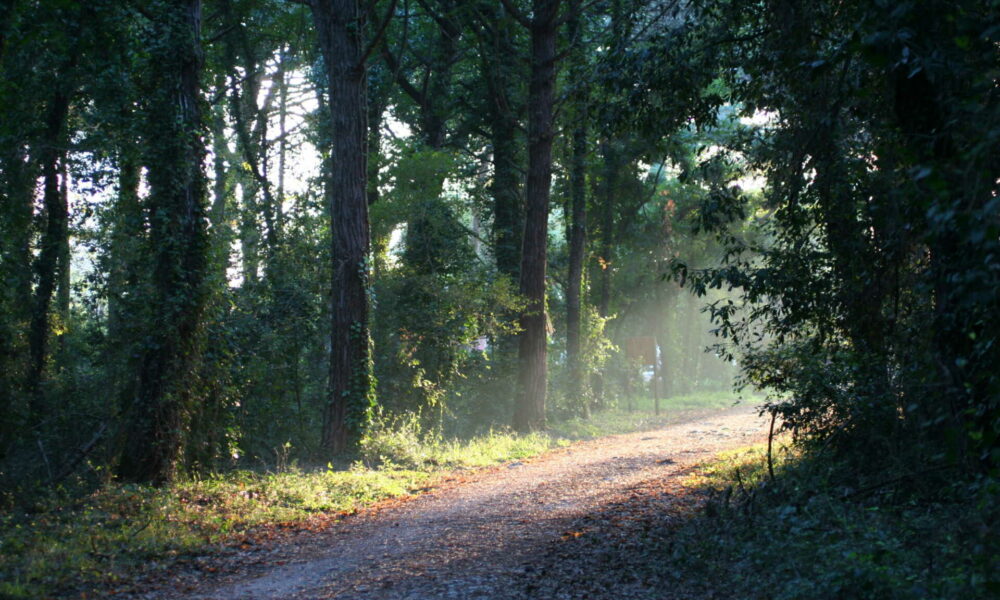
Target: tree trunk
[[279, 201], [47, 264], [125, 271], [127, 234], [15, 297], [63, 294], [529, 409], [500, 76], [604, 261], [338, 24], [377, 103], [508, 205], [178, 236], [578, 227], [666, 300], [249, 233], [609, 149], [220, 187], [250, 123]]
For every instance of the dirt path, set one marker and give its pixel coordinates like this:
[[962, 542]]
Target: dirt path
[[485, 537]]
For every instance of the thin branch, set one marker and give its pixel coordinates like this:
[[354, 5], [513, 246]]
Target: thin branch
[[575, 7], [81, 453], [770, 440], [519, 16], [404, 83], [379, 33], [219, 35], [442, 22]]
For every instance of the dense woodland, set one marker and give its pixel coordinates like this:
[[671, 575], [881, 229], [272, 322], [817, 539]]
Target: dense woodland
[[234, 226], [239, 225]]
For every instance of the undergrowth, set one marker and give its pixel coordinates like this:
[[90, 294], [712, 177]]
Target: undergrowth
[[68, 542], [805, 534], [117, 530], [638, 414]]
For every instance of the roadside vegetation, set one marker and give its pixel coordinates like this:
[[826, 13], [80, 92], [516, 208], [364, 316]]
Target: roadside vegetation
[[805, 534], [65, 542], [869, 308]]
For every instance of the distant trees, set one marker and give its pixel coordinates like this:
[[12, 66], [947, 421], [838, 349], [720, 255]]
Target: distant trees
[[191, 189]]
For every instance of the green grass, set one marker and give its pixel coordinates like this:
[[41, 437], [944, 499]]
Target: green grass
[[96, 542], [638, 414], [117, 530], [804, 535]]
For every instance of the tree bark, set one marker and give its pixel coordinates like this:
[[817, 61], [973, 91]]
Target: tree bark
[[127, 234], [378, 101], [666, 302], [605, 258], [508, 204], [279, 201], [249, 232], [578, 226], [529, 409], [15, 297], [503, 107], [63, 293], [179, 239], [350, 394], [47, 264], [220, 185]]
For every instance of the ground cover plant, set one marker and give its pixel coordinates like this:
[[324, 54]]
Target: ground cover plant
[[110, 536], [804, 534]]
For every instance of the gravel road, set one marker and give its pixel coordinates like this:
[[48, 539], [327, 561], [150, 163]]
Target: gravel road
[[482, 537]]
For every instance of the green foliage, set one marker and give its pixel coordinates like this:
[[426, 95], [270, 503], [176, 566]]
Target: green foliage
[[397, 441], [869, 281], [804, 535], [436, 298], [637, 413], [401, 442], [203, 297], [70, 544], [596, 352]]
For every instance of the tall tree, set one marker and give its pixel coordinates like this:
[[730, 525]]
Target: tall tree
[[529, 408], [174, 153], [54, 236], [340, 29], [38, 77], [577, 218]]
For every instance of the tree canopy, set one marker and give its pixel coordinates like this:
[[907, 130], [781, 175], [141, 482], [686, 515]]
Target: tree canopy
[[228, 225]]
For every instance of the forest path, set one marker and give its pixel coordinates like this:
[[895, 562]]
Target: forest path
[[490, 535]]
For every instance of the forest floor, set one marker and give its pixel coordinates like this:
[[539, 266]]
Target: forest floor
[[571, 523]]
